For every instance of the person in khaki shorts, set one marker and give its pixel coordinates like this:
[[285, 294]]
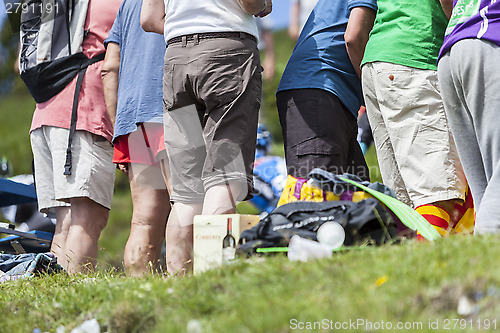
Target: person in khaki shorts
[[82, 200], [211, 91], [415, 148]]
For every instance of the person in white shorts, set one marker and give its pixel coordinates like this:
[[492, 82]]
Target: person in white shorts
[[82, 199], [415, 148]]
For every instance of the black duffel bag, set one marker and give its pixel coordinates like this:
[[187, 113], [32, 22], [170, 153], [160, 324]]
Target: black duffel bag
[[366, 221]]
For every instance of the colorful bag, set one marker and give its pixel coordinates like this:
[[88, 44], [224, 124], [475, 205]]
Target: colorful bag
[[323, 186]]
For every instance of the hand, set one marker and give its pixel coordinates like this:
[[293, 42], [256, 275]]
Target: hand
[[269, 69], [123, 167], [267, 9], [294, 32]]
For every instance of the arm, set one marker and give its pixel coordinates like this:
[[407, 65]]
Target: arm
[[153, 16], [109, 73], [16, 63], [356, 36], [294, 25], [259, 8], [269, 56], [447, 7]]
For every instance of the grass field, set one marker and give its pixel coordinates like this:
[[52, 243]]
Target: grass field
[[16, 111], [451, 285]]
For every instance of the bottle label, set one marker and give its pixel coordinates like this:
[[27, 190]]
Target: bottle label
[[228, 254]]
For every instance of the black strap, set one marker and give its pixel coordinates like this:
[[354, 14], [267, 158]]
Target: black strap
[[74, 115], [210, 35], [69, 11]]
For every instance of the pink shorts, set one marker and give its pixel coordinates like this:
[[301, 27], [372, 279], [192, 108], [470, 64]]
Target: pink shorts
[[146, 145]]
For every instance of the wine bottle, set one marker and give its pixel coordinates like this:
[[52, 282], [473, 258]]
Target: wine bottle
[[228, 243]]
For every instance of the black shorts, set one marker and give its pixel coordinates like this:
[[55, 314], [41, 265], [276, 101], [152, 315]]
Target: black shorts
[[319, 132]]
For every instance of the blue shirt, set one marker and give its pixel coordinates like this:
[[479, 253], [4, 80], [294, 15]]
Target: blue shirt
[[320, 60], [140, 90]]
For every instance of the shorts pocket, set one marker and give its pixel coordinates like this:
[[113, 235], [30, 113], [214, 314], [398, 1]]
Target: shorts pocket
[[316, 146]]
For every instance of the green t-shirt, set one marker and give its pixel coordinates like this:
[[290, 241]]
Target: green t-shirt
[[407, 32]]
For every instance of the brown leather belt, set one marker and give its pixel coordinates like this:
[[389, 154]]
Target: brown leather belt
[[210, 35]]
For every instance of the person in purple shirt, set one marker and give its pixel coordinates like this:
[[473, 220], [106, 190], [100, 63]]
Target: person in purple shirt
[[470, 84]]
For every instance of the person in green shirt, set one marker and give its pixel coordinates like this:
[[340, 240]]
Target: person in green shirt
[[415, 149]]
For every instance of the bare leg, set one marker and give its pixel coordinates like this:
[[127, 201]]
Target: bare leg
[[63, 218], [180, 237], [88, 219], [149, 220], [221, 199]]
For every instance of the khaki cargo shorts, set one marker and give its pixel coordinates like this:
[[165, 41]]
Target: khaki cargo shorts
[[415, 148], [212, 95], [92, 172]]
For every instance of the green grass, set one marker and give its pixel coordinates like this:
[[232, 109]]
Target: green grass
[[410, 283], [115, 235], [16, 112]]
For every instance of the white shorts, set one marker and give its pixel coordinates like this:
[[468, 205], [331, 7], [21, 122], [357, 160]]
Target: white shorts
[[415, 148], [92, 171]]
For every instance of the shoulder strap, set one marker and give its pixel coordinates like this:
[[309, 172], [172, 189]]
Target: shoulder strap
[[74, 115]]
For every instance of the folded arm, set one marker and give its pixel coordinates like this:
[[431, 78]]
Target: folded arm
[[153, 16], [258, 8]]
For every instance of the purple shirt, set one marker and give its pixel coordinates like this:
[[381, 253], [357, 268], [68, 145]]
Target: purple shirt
[[473, 19]]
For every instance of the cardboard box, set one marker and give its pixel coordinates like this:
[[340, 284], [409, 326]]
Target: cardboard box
[[208, 233]]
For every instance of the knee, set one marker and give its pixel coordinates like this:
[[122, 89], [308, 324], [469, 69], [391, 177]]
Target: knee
[[88, 214]]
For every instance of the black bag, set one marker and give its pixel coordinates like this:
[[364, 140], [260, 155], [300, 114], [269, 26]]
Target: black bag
[[51, 55], [364, 221], [52, 33]]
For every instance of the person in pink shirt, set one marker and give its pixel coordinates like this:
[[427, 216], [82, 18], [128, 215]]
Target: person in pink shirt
[[82, 199]]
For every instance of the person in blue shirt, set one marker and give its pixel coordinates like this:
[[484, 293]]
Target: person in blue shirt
[[132, 80], [319, 94]]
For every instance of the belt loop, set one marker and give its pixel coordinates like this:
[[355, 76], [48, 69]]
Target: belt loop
[[242, 35], [184, 41], [196, 39]]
